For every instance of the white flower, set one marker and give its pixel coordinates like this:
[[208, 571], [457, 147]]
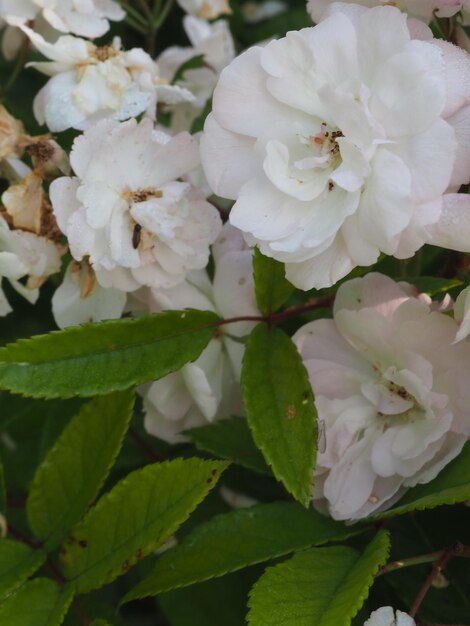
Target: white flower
[[215, 43], [206, 9], [391, 391], [89, 83], [421, 9], [80, 298], [126, 209], [25, 254], [339, 141], [385, 616], [208, 389], [87, 18]]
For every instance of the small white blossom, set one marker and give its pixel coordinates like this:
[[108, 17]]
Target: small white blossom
[[208, 389], [206, 9], [342, 141], [25, 255], [391, 390], [386, 616], [80, 298], [87, 18], [127, 211], [89, 83], [215, 43]]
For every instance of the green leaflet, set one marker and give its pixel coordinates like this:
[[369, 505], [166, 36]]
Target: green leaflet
[[235, 540], [271, 287], [96, 359], [17, 563], [280, 409], [321, 586], [450, 486], [230, 439], [134, 518], [39, 602], [75, 468]]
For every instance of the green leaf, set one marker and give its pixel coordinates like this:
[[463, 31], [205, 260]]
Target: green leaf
[[100, 622], [230, 439], [138, 515], [75, 468], [452, 485], [96, 359], [271, 287], [39, 602], [193, 63], [234, 540], [432, 285], [17, 563], [321, 586], [280, 409]]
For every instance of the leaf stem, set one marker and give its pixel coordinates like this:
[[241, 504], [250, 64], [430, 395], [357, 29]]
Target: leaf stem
[[431, 557], [317, 303]]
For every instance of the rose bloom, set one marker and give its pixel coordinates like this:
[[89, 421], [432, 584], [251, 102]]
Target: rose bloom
[[87, 18], [127, 210], [208, 389], [391, 389], [89, 83], [385, 616], [342, 141]]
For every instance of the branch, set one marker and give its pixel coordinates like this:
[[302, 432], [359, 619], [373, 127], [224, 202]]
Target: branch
[[457, 549]]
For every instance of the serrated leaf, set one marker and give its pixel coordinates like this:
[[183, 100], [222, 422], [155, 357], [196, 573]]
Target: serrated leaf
[[433, 285], [17, 563], [193, 63], [39, 602], [75, 468], [280, 410], [235, 540], [230, 439], [96, 359], [321, 586], [452, 485], [138, 515], [271, 286]]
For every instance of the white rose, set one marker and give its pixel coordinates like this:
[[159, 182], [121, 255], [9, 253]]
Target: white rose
[[340, 142], [126, 209], [391, 392], [89, 83]]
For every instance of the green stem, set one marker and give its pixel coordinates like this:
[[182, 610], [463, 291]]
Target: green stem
[[135, 25], [432, 557], [163, 14], [19, 65]]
